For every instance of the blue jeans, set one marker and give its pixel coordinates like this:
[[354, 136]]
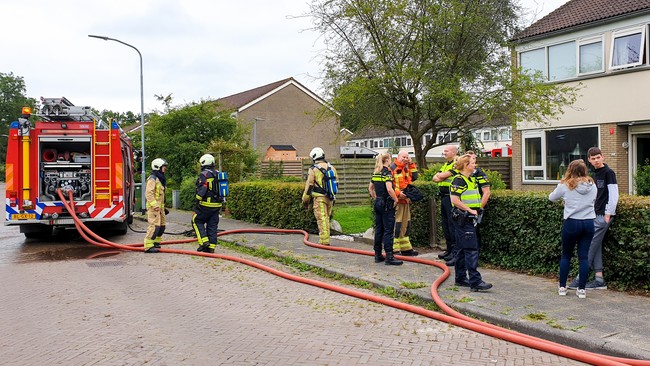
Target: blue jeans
[[574, 232]]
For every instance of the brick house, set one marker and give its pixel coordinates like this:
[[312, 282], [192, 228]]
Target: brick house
[[601, 45], [286, 113], [281, 153]]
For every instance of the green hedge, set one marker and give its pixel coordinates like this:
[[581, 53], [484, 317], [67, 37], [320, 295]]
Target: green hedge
[[277, 204], [520, 230]]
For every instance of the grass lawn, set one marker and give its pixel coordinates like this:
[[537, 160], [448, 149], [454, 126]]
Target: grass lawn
[[354, 219]]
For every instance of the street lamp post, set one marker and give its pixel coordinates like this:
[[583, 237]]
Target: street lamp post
[[257, 119], [142, 186]]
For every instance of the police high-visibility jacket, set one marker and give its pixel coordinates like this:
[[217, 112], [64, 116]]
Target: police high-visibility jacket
[[207, 190], [444, 185], [155, 193], [467, 189]]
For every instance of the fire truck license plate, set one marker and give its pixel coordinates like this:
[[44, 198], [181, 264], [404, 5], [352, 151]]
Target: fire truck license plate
[[23, 216]]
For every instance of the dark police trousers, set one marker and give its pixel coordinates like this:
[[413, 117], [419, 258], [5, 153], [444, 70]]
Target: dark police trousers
[[467, 253], [384, 224]]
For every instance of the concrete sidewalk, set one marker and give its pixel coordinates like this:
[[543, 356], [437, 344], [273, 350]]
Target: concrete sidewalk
[[607, 321]]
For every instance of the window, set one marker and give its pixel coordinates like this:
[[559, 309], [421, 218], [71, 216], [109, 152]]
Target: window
[[562, 61], [505, 134], [627, 48], [486, 136], [534, 61], [477, 135], [548, 153], [590, 55]]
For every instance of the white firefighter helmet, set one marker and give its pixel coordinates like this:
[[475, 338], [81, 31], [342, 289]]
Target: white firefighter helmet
[[317, 153], [206, 160], [158, 163]]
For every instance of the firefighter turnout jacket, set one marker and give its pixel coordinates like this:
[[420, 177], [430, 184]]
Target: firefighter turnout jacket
[[207, 190]]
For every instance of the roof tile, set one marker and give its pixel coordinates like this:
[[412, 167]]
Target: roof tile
[[579, 12]]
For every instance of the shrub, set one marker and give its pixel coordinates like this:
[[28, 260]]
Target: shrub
[[495, 179], [642, 179]]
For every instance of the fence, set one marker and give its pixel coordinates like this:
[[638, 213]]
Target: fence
[[354, 175]]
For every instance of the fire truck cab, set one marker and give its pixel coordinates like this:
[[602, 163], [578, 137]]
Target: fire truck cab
[[68, 149]]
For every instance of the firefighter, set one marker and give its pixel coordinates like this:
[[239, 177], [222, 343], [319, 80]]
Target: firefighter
[[155, 194], [404, 173], [205, 220], [315, 189]]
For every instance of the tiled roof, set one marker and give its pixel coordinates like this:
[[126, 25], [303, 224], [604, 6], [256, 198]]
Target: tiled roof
[[239, 100], [581, 12]]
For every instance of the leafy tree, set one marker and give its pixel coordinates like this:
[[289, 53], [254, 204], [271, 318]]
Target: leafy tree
[[424, 66], [122, 118], [12, 99], [185, 133]]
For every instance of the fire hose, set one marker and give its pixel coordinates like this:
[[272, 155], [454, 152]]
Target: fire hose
[[452, 317]]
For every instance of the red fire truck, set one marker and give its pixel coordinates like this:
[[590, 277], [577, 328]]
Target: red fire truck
[[68, 149]]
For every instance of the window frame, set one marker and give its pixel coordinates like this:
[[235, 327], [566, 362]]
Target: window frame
[[548, 61], [588, 41], [529, 134], [545, 55], [624, 33]]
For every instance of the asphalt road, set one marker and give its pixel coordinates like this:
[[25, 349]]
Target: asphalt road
[[66, 303]]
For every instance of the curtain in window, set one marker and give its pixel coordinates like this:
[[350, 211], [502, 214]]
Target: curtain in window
[[627, 50]]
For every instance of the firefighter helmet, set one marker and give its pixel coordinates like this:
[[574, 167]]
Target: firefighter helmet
[[158, 163], [206, 160], [317, 153]]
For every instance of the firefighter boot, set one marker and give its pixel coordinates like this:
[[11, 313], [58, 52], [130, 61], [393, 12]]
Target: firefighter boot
[[391, 261], [210, 248], [202, 248]]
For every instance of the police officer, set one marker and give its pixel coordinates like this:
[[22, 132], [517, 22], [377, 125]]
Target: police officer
[[315, 188], [385, 200], [466, 202], [155, 194], [444, 177], [483, 188], [205, 220]]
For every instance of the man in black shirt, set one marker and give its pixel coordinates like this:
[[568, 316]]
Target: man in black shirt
[[605, 207]]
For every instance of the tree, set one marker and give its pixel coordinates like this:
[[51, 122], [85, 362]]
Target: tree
[[425, 66], [12, 99], [185, 133]]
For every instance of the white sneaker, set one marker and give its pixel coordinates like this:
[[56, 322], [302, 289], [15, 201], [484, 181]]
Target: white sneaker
[[561, 291], [581, 293]]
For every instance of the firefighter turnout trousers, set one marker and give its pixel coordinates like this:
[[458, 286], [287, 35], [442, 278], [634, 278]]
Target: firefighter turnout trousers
[[322, 212], [205, 222], [156, 228], [402, 227]]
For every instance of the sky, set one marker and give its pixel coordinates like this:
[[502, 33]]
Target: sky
[[193, 49]]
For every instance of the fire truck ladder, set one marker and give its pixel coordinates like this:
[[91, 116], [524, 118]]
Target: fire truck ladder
[[102, 166]]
